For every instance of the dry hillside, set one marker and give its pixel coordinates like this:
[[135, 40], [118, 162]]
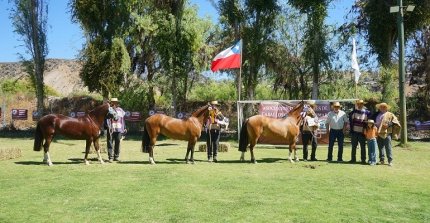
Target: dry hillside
[[61, 75]]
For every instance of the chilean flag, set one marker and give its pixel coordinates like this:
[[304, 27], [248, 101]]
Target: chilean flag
[[228, 58]]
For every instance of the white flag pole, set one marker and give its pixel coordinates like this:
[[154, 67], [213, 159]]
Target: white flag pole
[[354, 65]]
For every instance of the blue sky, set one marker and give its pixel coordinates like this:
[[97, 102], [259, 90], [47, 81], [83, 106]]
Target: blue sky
[[65, 38]]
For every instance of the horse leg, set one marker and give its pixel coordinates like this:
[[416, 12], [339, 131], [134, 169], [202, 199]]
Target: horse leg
[[290, 151], [295, 153], [151, 155], [46, 156], [242, 157], [191, 146], [87, 150], [97, 147], [186, 155], [251, 149]]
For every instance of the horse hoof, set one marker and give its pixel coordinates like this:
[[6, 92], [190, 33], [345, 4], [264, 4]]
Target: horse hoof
[[254, 161], [291, 161], [87, 162], [50, 164]]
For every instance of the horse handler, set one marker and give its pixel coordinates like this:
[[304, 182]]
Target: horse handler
[[115, 131], [213, 130]]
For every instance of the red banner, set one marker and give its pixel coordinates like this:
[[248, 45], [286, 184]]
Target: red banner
[[19, 114]]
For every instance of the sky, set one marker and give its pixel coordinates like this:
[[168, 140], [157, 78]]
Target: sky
[[65, 39]]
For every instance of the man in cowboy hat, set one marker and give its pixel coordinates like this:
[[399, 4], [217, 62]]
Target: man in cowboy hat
[[388, 125], [336, 126], [357, 120], [213, 130], [116, 128]]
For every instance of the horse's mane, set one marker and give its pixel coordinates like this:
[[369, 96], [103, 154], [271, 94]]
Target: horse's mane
[[94, 110], [199, 111]]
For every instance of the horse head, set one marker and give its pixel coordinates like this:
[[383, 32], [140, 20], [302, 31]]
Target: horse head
[[111, 113]]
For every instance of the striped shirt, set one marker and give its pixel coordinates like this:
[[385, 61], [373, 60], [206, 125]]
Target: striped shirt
[[357, 119]]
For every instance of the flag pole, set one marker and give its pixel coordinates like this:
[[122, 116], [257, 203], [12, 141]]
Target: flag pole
[[239, 79]]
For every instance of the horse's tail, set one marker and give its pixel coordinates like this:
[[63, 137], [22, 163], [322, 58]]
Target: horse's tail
[[244, 139], [145, 140], [38, 138]]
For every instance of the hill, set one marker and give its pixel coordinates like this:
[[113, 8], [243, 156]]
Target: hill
[[61, 75]]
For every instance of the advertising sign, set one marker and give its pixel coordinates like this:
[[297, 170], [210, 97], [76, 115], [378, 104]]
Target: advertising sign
[[19, 114], [132, 116]]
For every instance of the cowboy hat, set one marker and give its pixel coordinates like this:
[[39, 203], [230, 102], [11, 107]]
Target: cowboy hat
[[359, 102], [336, 104], [114, 100], [214, 103], [312, 103], [383, 104]]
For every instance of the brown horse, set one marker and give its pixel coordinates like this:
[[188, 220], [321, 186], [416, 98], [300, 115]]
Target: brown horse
[[272, 128], [87, 127], [188, 129]]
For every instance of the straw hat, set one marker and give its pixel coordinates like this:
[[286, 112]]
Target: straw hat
[[214, 103], [114, 100], [359, 102], [370, 121], [312, 103], [383, 104], [336, 104]]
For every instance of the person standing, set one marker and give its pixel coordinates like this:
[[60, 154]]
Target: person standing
[[116, 128], [357, 120], [309, 128], [336, 123], [370, 131], [213, 130], [387, 124]]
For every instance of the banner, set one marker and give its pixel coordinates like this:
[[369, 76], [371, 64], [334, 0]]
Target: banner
[[19, 114], [280, 110], [77, 114], [35, 116], [132, 116]]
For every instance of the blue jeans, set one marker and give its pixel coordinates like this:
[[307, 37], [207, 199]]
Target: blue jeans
[[387, 144], [335, 134], [371, 144]]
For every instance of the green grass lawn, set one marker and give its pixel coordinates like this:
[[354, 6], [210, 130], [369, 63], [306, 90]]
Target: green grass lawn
[[273, 190]]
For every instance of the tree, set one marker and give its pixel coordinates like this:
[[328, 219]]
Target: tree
[[379, 27], [106, 61], [419, 61], [30, 19], [254, 22], [315, 51]]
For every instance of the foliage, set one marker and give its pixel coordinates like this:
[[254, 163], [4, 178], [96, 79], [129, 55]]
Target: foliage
[[29, 18], [230, 191], [106, 62], [315, 52], [214, 90], [419, 61], [254, 22], [379, 26], [389, 84], [23, 86]]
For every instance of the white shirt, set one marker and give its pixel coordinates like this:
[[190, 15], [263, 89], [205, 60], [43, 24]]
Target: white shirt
[[336, 120]]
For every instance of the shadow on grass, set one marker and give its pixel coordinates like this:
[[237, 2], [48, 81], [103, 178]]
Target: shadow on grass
[[35, 163]]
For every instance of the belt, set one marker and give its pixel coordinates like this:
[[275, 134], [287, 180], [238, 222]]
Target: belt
[[336, 129]]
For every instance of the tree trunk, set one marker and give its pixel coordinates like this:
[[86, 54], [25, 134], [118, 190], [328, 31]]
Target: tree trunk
[[38, 57]]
